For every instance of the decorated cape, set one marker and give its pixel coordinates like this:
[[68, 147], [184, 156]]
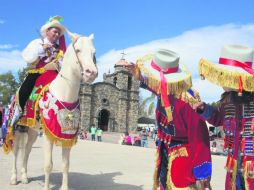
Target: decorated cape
[[59, 120]]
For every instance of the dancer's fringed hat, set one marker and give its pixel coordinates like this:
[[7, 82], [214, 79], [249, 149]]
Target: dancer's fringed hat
[[164, 75], [234, 69]]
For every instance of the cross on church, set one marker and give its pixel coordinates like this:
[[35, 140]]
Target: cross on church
[[123, 54]]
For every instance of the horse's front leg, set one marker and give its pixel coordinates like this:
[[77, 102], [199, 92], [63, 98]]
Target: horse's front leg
[[15, 151], [48, 164], [32, 136], [66, 163]]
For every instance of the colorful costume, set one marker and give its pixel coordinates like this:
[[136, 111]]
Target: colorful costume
[[183, 147], [59, 123], [34, 99], [36, 58], [235, 112]]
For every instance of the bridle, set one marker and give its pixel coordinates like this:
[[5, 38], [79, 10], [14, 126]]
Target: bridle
[[78, 60]]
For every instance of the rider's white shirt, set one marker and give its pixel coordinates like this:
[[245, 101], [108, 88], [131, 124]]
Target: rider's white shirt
[[34, 50]]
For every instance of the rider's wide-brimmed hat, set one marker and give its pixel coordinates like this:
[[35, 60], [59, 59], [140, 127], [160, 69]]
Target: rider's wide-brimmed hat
[[53, 22], [164, 74], [234, 69]]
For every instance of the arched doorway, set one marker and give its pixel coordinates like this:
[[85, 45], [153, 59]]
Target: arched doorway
[[103, 118]]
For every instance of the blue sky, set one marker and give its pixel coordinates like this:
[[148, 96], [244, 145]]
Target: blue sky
[[194, 29]]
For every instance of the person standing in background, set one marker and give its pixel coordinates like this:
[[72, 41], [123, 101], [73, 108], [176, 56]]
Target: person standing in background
[[93, 132], [99, 134]]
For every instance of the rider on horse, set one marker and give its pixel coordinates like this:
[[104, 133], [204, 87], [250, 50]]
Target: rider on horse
[[41, 55]]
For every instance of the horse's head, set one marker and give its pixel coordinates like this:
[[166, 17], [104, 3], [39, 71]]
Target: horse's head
[[85, 56]]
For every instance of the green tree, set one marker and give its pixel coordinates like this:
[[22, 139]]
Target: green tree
[[8, 86], [148, 105], [22, 73], [141, 108]]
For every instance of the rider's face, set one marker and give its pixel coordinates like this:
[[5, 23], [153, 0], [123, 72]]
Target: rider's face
[[53, 34]]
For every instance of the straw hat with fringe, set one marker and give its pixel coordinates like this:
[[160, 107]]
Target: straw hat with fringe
[[53, 22], [234, 69], [164, 75]]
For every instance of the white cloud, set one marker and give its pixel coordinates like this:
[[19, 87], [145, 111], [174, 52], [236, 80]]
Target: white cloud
[[208, 92], [2, 21], [191, 45], [7, 46], [11, 61]]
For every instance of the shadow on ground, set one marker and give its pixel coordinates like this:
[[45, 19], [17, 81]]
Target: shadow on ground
[[80, 181]]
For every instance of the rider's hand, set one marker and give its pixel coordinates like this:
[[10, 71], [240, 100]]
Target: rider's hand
[[46, 46], [51, 66]]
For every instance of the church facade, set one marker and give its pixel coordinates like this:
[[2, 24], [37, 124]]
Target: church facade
[[111, 105]]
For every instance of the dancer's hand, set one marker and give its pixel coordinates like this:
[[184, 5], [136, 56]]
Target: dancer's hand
[[132, 68], [199, 107], [204, 184]]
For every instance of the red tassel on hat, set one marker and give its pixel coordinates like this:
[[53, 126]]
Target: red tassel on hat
[[164, 88], [240, 93]]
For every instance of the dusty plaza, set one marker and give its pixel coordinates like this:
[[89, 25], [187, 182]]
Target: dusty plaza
[[97, 166]]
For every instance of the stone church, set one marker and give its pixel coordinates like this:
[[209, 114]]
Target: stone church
[[111, 105]]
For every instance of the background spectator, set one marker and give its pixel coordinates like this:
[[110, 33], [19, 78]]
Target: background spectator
[[144, 135], [127, 139], [99, 134], [93, 132]]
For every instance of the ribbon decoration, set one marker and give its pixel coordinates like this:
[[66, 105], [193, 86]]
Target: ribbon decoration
[[247, 66], [62, 44], [164, 87]]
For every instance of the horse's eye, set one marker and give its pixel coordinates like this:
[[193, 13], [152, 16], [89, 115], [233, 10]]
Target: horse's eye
[[77, 50]]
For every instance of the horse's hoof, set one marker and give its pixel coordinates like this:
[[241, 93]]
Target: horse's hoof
[[13, 181], [64, 188], [24, 180]]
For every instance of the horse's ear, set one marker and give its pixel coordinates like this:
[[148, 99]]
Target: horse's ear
[[91, 36], [73, 36]]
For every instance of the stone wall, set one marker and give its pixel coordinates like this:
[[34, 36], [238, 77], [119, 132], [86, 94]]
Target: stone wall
[[118, 94]]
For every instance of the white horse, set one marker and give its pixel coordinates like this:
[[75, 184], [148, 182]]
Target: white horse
[[78, 65]]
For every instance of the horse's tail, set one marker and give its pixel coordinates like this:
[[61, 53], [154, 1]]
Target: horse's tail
[[8, 142]]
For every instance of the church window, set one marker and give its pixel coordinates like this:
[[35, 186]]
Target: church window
[[115, 80], [104, 101], [129, 82]]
